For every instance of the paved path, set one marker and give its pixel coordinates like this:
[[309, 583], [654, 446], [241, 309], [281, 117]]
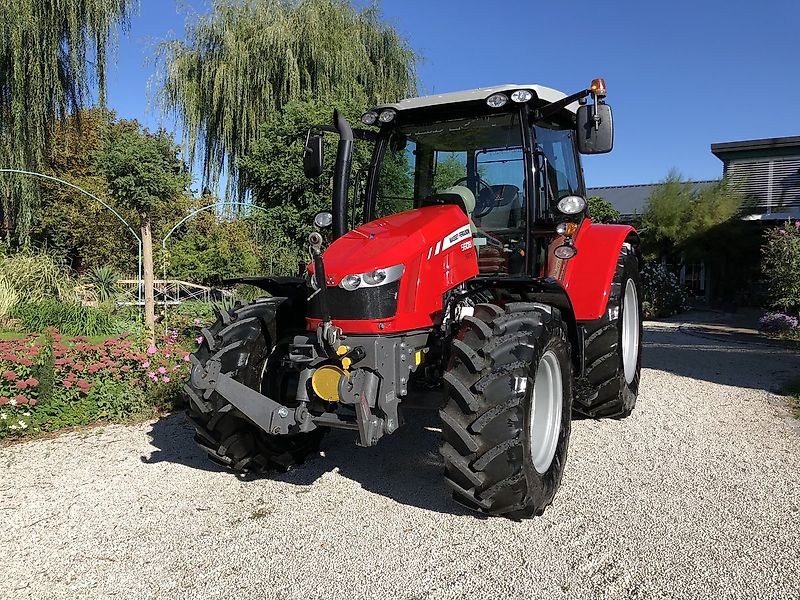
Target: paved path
[[697, 494]]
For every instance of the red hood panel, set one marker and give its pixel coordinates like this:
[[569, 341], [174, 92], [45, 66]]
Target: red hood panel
[[390, 240], [435, 247]]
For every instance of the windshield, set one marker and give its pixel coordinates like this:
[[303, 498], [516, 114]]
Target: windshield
[[482, 156]]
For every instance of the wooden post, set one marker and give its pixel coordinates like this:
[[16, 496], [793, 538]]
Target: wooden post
[[147, 264]]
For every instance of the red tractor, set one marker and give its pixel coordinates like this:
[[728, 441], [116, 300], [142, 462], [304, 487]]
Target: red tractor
[[477, 269]]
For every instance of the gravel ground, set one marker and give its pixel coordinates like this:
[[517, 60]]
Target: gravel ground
[[697, 494]]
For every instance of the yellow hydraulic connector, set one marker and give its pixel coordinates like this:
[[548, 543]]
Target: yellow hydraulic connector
[[419, 356], [325, 382], [342, 350]]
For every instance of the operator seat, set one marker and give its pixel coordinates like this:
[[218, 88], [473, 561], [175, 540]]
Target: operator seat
[[459, 195]]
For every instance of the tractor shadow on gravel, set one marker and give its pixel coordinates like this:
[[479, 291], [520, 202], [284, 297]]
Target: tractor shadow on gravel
[[726, 360], [405, 466]]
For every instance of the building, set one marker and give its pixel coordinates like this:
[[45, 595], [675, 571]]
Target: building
[[768, 172]]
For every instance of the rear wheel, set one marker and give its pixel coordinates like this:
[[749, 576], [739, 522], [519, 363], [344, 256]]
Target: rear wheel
[[614, 346], [242, 340], [506, 421]]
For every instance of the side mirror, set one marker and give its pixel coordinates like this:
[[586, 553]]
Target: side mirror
[[595, 129], [312, 156]]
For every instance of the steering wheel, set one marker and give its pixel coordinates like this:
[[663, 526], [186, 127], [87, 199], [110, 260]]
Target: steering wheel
[[484, 202]]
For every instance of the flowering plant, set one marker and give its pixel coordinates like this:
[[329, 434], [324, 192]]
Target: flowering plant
[[49, 381], [781, 266], [776, 322], [662, 293]]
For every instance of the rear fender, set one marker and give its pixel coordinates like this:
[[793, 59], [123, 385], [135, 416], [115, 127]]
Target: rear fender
[[588, 276], [291, 312]]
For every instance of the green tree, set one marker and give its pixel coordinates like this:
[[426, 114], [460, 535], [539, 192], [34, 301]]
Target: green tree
[[249, 58], [53, 54], [273, 170], [602, 211], [214, 249], [72, 225], [142, 171], [679, 216]]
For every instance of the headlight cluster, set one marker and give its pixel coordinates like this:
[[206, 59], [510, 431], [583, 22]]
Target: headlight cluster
[[387, 115], [371, 278], [499, 99]]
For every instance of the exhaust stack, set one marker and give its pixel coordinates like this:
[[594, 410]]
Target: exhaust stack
[[341, 174]]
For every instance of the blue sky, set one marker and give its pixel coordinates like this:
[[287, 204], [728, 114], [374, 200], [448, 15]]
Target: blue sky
[[680, 75]]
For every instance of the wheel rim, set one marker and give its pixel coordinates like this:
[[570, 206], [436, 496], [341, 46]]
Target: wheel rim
[[545, 421], [630, 331]]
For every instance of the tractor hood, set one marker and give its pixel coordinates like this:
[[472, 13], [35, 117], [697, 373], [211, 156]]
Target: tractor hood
[[393, 240]]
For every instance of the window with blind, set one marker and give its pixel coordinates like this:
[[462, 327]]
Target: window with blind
[[771, 186]]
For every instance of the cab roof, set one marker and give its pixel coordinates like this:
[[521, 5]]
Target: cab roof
[[541, 92]]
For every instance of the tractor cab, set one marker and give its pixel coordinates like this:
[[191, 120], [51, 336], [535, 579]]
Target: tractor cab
[[507, 155]]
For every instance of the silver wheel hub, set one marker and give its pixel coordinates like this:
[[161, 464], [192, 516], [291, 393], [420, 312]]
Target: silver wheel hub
[[630, 331], [545, 420]]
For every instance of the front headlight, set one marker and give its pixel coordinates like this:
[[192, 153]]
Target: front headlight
[[351, 282], [374, 278]]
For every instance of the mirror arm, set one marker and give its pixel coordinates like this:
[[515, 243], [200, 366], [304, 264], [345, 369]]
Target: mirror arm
[[553, 107]]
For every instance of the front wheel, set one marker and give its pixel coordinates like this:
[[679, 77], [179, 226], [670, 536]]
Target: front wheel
[[243, 341], [506, 421], [613, 353]]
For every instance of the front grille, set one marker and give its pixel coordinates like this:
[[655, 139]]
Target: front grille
[[360, 304]]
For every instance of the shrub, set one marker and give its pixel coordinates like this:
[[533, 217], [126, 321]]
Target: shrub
[[49, 382], [602, 211], [781, 266], [104, 280], [776, 322], [8, 297], [68, 318], [37, 276], [662, 293]]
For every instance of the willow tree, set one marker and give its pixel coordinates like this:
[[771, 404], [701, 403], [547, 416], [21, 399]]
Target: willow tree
[[53, 55], [248, 58]]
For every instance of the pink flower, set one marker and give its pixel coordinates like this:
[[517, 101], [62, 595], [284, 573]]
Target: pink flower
[[3, 400], [146, 364], [21, 400], [32, 401], [22, 384], [186, 357], [152, 350], [199, 339], [197, 321], [175, 368], [167, 354], [125, 368], [10, 376], [32, 382], [161, 370], [797, 224], [165, 379]]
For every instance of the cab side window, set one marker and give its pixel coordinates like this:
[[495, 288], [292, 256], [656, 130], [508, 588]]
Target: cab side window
[[559, 148]]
